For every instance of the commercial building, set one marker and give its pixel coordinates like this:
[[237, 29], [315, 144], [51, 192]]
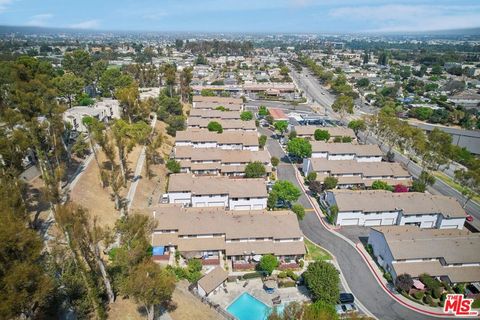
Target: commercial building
[[451, 255], [239, 237], [380, 208], [217, 191]]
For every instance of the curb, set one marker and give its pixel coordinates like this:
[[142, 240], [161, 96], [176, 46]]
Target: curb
[[403, 303]]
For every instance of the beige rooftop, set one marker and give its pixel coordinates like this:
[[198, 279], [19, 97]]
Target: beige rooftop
[[221, 155], [334, 131], [346, 148], [227, 124], [246, 138], [210, 185], [213, 279], [217, 100], [213, 114], [409, 202], [366, 169]]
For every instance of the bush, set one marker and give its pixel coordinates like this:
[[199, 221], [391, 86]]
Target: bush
[[430, 282], [301, 263], [215, 127], [275, 161], [286, 284], [369, 248], [312, 176], [403, 282], [459, 288], [255, 170], [418, 295], [437, 292], [299, 210], [321, 135], [252, 275], [246, 115], [292, 275], [476, 304], [388, 277], [282, 275], [428, 300], [173, 166], [346, 139]]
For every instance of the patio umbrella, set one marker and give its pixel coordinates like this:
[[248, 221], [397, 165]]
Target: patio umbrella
[[270, 284], [257, 257]]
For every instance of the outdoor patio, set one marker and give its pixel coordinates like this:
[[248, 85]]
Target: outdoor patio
[[225, 296]]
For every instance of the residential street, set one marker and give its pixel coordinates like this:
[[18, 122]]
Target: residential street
[[357, 274]]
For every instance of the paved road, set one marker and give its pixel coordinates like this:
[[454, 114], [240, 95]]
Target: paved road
[[356, 272], [320, 94]]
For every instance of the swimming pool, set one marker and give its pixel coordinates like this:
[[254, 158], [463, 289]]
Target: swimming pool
[[247, 307]]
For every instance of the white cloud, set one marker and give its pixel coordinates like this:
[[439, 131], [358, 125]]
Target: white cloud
[[88, 24], [4, 4], [39, 20], [392, 17]]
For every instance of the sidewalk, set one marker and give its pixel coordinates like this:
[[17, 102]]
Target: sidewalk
[[436, 312]]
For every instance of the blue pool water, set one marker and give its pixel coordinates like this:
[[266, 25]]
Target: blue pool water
[[246, 307]]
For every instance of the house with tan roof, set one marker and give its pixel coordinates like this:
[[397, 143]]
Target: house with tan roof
[[215, 161], [227, 124], [351, 173], [213, 234], [346, 151], [212, 103], [335, 132], [383, 208], [451, 255], [201, 138], [217, 191]]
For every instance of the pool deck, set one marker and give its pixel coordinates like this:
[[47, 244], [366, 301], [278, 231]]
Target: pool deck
[[255, 288]]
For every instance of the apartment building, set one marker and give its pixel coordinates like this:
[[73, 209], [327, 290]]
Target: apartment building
[[351, 173], [212, 234], [214, 114], [217, 191], [213, 103], [215, 161], [335, 132], [227, 124], [201, 138], [380, 208], [451, 255], [346, 151]]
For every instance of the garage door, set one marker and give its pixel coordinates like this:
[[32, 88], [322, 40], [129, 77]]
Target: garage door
[[242, 207], [216, 204], [387, 222], [257, 207], [181, 201], [349, 222], [373, 222], [200, 204]]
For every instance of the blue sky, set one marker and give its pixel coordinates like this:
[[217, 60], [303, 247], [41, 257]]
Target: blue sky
[[244, 15]]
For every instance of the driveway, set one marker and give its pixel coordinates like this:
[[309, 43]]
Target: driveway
[[356, 272]]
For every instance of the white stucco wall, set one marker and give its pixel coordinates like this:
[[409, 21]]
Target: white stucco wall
[[452, 223], [179, 197], [426, 221], [250, 204], [210, 201], [373, 219]]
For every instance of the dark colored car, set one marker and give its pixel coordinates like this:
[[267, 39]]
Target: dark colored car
[[346, 298]]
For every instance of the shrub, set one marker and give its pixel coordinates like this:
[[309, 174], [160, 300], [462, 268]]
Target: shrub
[[430, 282], [286, 284], [252, 275], [418, 295], [369, 248], [173, 166], [346, 139], [404, 282], [400, 188], [301, 263], [275, 161], [437, 292], [312, 176], [459, 288], [337, 139], [246, 115], [388, 277], [282, 275], [255, 170], [292, 275], [215, 127], [321, 135], [476, 303], [443, 297], [262, 140], [299, 210], [428, 300]]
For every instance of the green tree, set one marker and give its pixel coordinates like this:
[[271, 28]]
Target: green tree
[[343, 105], [299, 210], [300, 148], [268, 263], [470, 181], [215, 127], [173, 166], [255, 169], [320, 310], [262, 140], [275, 161], [263, 111], [292, 135], [322, 280], [286, 191], [363, 82], [330, 183], [79, 62], [150, 285], [207, 93], [69, 86], [246, 115], [311, 176], [81, 147], [281, 126], [357, 126], [113, 79], [321, 135], [403, 282]]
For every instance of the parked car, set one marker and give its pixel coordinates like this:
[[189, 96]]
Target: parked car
[[346, 298], [469, 218]]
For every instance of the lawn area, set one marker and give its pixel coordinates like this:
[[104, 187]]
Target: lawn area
[[315, 252], [453, 184]]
